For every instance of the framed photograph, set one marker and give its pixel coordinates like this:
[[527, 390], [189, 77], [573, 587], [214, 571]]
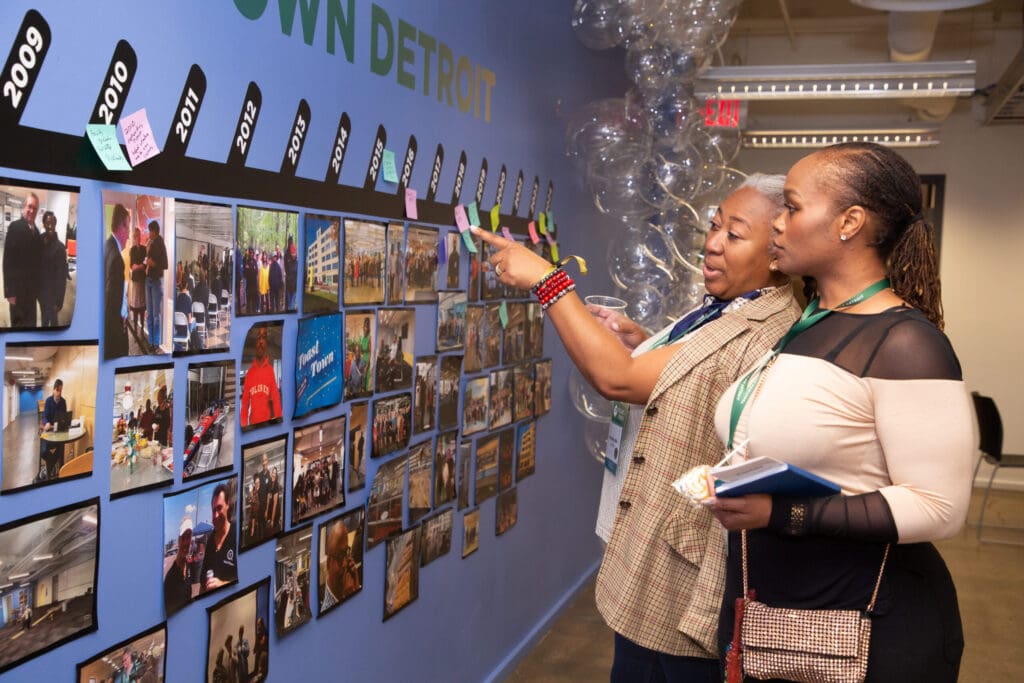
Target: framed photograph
[[421, 265], [358, 427], [39, 251], [470, 532], [542, 387], [340, 557], [493, 333], [474, 406], [424, 416], [270, 264], [364, 263], [396, 263], [491, 288], [318, 363], [48, 440], [318, 461], [384, 508], [437, 537], [526, 435], [473, 291], [360, 345], [451, 377], [507, 511], [38, 551], [263, 472], [534, 330], [486, 468], [292, 574], [501, 397], [451, 320], [515, 334], [474, 338], [321, 289], [453, 253], [420, 460], [203, 274], [261, 375], [392, 422], [142, 449], [506, 459], [239, 635], [208, 442], [444, 468], [200, 550], [402, 572], [465, 460], [522, 381], [396, 339], [139, 658], [138, 278]]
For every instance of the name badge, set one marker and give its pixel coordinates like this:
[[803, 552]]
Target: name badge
[[620, 411]]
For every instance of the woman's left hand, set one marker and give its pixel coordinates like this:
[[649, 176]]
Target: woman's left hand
[[743, 512], [514, 264]]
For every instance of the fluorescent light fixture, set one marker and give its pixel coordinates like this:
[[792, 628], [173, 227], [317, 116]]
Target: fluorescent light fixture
[[813, 139], [6, 586], [23, 372], [89, 519], [839, 81], [18, 358], [15, 577], [40, 558]]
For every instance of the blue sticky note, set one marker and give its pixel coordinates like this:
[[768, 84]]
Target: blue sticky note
[[104, 141], [388, 163], [503, 314]]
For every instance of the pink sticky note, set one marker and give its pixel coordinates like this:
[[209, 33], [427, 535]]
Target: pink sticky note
[[138, 137], [507, 233], [410, 204], [532, 227], [461, 220]]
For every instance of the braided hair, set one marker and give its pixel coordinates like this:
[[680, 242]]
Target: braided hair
[[883, 182]]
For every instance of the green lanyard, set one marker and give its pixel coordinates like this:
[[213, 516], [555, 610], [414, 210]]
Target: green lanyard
[[811, 315]]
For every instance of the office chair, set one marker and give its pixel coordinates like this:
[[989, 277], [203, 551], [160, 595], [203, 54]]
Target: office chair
[[990, 429]]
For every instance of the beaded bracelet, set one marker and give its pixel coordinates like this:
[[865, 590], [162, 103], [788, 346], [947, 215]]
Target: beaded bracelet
[[546, 304], [540, 283], [553, 287]]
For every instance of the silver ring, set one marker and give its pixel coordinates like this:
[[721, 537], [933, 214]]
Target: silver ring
[[497, 269]]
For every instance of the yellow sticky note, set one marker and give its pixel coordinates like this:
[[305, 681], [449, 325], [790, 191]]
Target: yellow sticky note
[[543, 223], [494, 217], [554, 252]]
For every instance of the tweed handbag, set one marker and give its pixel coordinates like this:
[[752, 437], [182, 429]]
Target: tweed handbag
[[806, 645]]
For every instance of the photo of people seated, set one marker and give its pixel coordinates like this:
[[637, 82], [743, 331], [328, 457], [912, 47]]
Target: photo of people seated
[[49, 410], [266, 261], [209, 438], [204, 263], [263, 482], [142, 452]]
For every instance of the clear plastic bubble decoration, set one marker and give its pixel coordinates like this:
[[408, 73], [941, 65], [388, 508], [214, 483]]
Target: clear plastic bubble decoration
[[615, 185], [648, 66], [631, 261], [595, 435], [602, 124], [645, 306], [686, 293], [596, 23], [727, 141], [587, 401], [683, 228], [670, 109], [670, 176]]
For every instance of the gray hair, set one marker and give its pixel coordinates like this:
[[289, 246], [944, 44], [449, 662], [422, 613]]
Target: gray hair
[[770, 186]]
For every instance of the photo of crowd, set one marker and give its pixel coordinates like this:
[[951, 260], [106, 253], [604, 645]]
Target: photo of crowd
[[364, 263], [396, 339], [448, 397], [522, 380], [507, 511], [437, 537], [358, 426], [396, 263], [541, 387], [142, 448], [526, 435], [451, 320], [387, 494], [474, 338], [318, 462], [239, 645], [360, 335], [392, 424], [420, 460], [444, 468], [267, 261], [200, 552], [506, 459], [263, 473], [493, 332], [141, 659], [209, 438], [465, 460], [49, 410], [204, 264], [402, 574], [452, 251], [424, 403], [501, 397], [261, 375], [470, 532], [138, 282], [474, 406], [38, 246], [48, 565], [322, 287], [340, 556], [421, 265], [486, 468], [292, 570], [515, 334]]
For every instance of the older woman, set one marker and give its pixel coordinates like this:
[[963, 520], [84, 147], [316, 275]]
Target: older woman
[[661, 580], [869, 396]]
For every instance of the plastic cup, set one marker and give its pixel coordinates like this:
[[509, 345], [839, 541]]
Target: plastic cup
[[610, 303]]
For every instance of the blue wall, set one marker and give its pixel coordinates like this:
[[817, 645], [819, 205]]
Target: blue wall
[[28, 400], [472, 614]]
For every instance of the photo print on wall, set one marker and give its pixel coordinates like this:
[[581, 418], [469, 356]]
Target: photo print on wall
[[507, 511], [425, 395], [203, 275], [452, 252], [261, 375], [270, 264], [358, 428], [465, 459], [402, 572], [437, 537], [360, 353], [421, 265], [474, 338], [49, 440], [292, 573], [318, 458], [384, 508], [444, 468], [420, 460], [448, 395], [470, 532], [522, 381], [142, 451], [395, 263], [486, 468], [475, 405], [340, 557], [318, 363], [363, 275], [321, 288], [263, 487], [526, 435], [493, 332], [40, 228], [541, 387], [142, 657], [392, 424], [501, 397], [515, 334], [396, 340], [451, 320], [473, 291], [491, 288], [239, 635], [209, 436], [534, 330], [506, 459]]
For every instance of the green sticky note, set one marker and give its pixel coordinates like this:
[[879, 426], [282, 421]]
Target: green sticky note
[[494, 217], [104, 141], [554, 252], [474, 215], [551, 221], [390, 173], [503, 314], [468, 240], [543, 223]]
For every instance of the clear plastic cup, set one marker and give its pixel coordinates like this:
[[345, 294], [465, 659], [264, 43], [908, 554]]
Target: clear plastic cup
[[610, 303]]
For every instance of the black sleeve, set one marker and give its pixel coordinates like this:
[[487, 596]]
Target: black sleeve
[[865, 517]]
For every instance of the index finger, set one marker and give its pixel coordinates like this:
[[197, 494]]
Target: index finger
[[491, 238]]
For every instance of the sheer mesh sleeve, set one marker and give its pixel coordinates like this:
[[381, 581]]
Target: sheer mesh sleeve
[[865, 517], [913, 348]]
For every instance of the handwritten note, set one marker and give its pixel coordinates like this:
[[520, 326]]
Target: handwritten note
[[104, 141], [503, 314], [468, 241], [461, 222], [410, 204], [388, 166], [506, 233], [474, 215], [494, 217], [138, 137], [534, 237]]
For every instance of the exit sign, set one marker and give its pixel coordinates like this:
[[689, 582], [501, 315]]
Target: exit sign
[[723, 113]]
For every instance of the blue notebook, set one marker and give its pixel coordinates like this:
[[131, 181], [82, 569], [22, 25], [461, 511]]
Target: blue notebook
[[768, 475]]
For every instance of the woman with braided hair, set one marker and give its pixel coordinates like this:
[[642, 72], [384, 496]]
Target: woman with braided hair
[[865, 391]]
